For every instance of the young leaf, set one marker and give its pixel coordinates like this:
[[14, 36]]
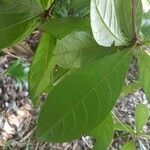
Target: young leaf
[[42, 65], [111, 21], [146, 27], [141, 117], [18, 18], [83, 99], [104, 134], [129, 146], [78, 49], [144, 70], [60, 27]]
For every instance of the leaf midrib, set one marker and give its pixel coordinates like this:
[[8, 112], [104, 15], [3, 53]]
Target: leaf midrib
[[82, 99]]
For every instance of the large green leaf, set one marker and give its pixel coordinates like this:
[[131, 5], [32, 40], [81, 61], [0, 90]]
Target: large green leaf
[[104, 134], [78, 49], [111, 21], [18, 18], [60, 27], [141, 117], [144, 70], [42, 65], [83, 99], [146, 27]]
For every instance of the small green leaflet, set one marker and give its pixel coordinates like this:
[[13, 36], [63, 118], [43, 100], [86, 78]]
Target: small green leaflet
[[18, 18], [141, 117], [104, 134], [130, 89], [123, 127], [144, 70], [83, 99], [78, 49], [60, 27], [112, 23], [129, 146], [42, 66]]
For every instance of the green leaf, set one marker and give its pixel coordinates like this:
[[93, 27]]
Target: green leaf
[[144, 70], [18, 18], [16, 70], [146, 27], [129, 146], [45, 3], [123, 127], [83, 99], [141, 117], [78, 49], [19, 71], [42, 65], [104, 134], [111, 21], [60, 27], [130, 89]]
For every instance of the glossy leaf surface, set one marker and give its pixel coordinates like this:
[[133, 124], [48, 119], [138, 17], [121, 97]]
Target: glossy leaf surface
[[70, 112]]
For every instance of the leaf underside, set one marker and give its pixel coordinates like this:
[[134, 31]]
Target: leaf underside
[[111, 21], [78, 49]]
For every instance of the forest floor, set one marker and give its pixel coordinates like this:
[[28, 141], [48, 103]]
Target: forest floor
[[18, 117]]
